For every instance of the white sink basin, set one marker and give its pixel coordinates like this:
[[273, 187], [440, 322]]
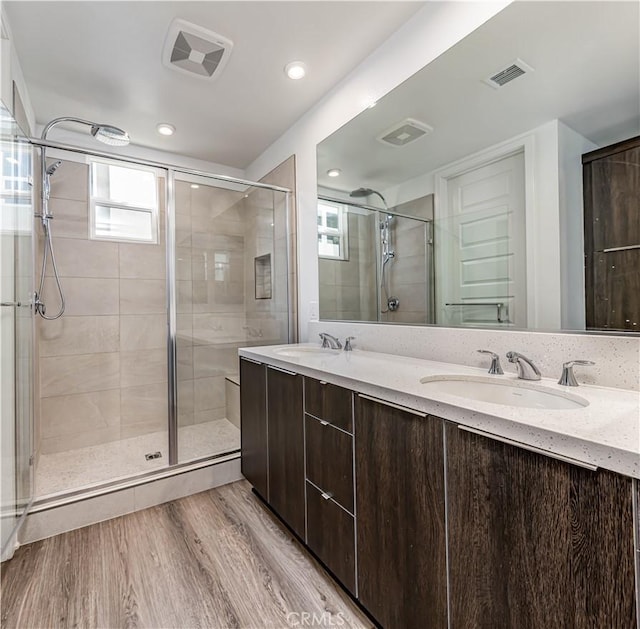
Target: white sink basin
[[505, 392], [300, 352]]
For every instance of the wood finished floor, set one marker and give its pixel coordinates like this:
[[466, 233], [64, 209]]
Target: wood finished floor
[[217, 559]]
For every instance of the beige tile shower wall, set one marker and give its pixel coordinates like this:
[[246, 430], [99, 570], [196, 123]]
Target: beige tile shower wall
[[408, 271], [210, 297], [269, 317], [219, 233], [348, 287], [102, 365]]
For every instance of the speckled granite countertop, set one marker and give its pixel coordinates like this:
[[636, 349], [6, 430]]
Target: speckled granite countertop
[[605, 434]]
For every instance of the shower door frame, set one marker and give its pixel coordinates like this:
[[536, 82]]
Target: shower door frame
[[171, 170]]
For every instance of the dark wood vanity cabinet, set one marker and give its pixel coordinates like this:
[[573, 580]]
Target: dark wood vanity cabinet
[[611, 178], [285, 438], [400, 507], [329, 476], [253, 424], [535, 542], [531, 542]]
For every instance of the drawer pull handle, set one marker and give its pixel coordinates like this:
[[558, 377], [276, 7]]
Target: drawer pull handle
[[250, 360], [324, 423], [281, 370], [385, 403], [325, 495], [525, 446]]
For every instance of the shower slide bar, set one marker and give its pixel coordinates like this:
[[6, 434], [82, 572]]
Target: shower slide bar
[[153, 164]]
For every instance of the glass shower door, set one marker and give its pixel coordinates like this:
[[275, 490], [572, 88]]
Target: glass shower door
[[231, 292], [16, 328]]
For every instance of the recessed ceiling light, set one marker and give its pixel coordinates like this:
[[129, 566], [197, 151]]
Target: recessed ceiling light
[[195, 186], [165, 128], [334, 172], [295, 70]]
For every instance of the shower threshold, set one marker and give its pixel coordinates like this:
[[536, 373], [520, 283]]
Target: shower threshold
[[60, 473]]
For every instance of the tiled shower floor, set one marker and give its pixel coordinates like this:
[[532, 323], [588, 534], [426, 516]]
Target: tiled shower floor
[[64, 471]]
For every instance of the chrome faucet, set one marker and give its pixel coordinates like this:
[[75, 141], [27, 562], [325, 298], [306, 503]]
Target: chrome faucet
[[496, 367], [568, 378], [526, 369], [330, 341], [347, 343]]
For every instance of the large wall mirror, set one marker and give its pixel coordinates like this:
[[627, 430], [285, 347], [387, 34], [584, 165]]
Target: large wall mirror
[[497, 187]]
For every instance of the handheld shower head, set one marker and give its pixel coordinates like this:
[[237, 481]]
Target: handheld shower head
[[365, 192], [53, 167], [113, 136]]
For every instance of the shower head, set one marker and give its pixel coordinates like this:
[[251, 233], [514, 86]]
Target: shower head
[[106, 133], [113, 136], [53, 167], [361, 192], [365, 192]]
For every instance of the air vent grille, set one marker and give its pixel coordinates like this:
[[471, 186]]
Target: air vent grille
[[404, 132], [508, 74], [194, 50]]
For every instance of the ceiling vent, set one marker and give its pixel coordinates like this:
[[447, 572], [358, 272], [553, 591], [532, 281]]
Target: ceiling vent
[[508, 74], [404, 132], [194, 50]]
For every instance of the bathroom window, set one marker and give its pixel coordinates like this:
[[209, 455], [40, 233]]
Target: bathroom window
[[333, 220], [124, 202]]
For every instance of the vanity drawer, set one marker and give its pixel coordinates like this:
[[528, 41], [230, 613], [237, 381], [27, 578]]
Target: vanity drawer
[[329, 454], [331, 536], [329, 402]]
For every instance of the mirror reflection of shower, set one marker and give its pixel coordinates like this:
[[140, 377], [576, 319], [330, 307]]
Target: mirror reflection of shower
[[386, 250], [108, 134]]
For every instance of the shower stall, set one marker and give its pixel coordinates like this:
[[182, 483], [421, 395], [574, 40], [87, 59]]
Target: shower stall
[[161, 274], [376, 264]]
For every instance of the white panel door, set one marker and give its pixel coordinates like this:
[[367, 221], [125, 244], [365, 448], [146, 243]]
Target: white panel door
[[480, 247]]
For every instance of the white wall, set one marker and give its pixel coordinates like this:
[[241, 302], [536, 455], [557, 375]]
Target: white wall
[[571, 147], [10, 72], [431, 31]]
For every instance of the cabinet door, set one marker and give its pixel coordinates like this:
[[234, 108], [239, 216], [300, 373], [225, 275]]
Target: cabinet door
[[285, 418], [253, 425], [401, 552], [612, 200], [534, 542], [613, 299]]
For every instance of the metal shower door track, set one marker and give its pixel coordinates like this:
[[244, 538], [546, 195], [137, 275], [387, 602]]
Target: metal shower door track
[[152, 164]]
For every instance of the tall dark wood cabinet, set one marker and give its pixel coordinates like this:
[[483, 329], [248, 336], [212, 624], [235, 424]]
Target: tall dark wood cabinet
[[535, 542], [285, 436], [611, 179], [400, 504], [253, 424]]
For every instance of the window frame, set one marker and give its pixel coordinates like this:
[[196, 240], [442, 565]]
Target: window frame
[[342, 231], [105, 202]]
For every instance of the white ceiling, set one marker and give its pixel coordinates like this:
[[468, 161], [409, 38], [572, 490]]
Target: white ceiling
[[102, 61], [586, 61]]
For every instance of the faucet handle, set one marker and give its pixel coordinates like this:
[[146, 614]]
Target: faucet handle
[[325, 340], [496, 367], [347, 343], [568, 378]]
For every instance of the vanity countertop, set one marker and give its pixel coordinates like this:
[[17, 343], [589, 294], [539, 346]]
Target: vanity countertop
[[605, 434]]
